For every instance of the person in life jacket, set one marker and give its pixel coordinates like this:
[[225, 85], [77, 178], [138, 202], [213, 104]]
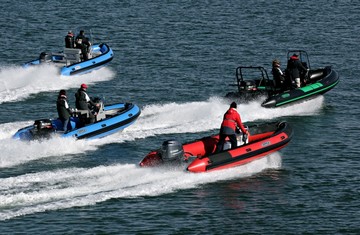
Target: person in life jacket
[[83, 102], [63, 109], [69, 40], [295, 67], [83, 43], [278, 75], [230, 123]]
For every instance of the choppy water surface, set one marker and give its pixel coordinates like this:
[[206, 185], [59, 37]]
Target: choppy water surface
[[176, 61]]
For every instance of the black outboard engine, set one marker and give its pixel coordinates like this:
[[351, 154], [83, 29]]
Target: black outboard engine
[[250, 85], [172, 151], [45, 57], [42, 129]]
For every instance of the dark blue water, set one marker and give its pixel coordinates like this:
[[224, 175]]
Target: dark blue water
[[176, 61]]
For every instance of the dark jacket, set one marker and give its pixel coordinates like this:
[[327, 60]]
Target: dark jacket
[[69, 41], [279, 77], [79, 41], [82, 42], [295, 67], [81, 102], [63, 108]]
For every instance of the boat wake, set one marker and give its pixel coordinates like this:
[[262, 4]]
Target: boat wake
[[17, 83], [171, 118], [74, 187], [70, 187]]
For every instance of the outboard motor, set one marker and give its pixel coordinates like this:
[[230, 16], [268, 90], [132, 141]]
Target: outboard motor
[[42, 128], [172, 151], [250, 85], [45, 57], [43, 124]]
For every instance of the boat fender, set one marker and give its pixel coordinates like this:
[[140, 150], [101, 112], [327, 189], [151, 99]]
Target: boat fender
[[172, 150]]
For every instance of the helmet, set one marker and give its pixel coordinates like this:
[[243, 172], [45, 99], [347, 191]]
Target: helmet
[[233, 105], [84, 86]]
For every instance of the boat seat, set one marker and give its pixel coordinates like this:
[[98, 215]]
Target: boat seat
[[72, 55], [101, 113], [84, 116], [316, 75], [83, 112], [96, 53]]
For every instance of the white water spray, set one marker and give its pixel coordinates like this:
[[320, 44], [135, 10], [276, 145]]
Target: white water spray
[[70, 187], [191, 117], [66, 188], [17, 83]]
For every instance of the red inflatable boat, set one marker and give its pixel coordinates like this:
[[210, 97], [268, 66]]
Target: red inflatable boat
[[263, 140]]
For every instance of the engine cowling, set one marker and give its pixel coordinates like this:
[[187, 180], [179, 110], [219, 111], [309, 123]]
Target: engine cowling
[[172, 150]]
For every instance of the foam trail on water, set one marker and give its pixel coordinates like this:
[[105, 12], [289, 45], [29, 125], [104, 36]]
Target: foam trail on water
[[53, 190], [73, 187], [17, 83], [193, 117], [15, 152], [156, 119]]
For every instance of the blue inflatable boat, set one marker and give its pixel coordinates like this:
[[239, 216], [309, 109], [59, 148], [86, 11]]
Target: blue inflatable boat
[[108, 120], [71, 60]]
